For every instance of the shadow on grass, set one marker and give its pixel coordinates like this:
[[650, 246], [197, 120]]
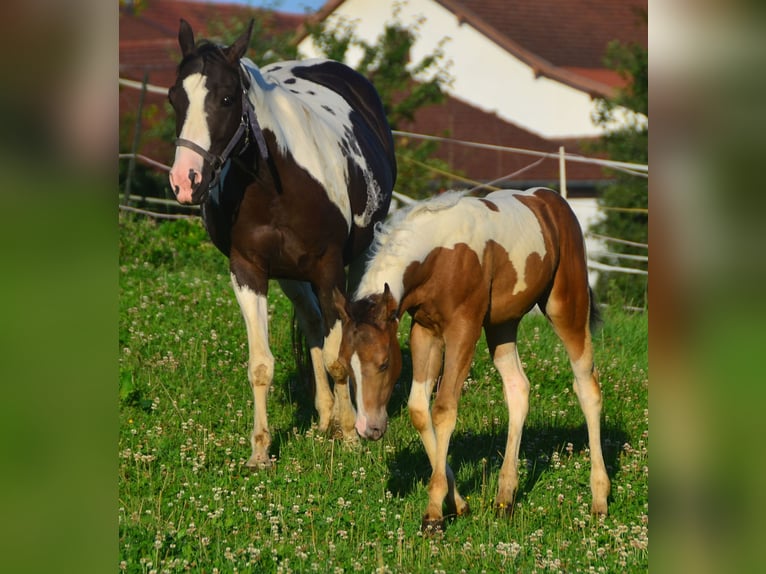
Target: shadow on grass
[[410, 466]]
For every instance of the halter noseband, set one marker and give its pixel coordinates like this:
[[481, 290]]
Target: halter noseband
[[248, 124]]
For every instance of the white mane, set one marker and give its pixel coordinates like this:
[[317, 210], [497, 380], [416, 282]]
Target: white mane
[[400, 240]]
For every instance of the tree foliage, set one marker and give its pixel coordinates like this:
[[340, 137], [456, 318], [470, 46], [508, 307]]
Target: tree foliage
[[404, 87], [625, 201]]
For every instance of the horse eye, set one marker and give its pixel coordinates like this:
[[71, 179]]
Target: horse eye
[[383, 367], [227, 101]]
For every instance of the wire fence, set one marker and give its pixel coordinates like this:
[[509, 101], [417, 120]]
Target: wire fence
[[635, 169]]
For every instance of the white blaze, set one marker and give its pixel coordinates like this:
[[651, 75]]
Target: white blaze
[[195, 129], [361, 415]]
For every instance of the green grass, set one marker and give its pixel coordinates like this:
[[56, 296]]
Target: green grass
[[187, 502]]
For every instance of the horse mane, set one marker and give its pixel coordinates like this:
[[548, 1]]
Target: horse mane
[[404, 218], [396, 240]]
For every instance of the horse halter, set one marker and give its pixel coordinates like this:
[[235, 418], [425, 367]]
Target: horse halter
[[248, 124]]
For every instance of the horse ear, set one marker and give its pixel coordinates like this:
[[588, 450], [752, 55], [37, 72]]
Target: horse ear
[[389, 308], [341, 305], [238, 49], [185, 38]]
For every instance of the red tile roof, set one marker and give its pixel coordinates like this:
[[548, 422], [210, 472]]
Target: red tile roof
[[561, 39], [148, 37], [565, 33], [564, 37]]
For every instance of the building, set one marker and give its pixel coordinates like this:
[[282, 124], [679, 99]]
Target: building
[[526, 74]]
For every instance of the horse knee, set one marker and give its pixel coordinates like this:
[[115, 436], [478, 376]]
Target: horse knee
[[443, 414], [419, 418], [261, 373]]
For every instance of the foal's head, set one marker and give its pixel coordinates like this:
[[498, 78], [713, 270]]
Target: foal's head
[[208, 101], [370, 353]]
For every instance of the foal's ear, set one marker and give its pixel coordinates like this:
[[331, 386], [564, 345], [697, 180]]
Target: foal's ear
[[341, 305], [185, 38], [239, 47], [389, 309]]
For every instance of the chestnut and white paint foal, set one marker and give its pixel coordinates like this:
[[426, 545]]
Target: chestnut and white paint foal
[[458, 264]]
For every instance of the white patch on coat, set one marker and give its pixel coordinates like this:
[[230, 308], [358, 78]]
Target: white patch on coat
[[331, 346], [446, 221], [194, 129], [195, 126], [255, 311], [361, 414], [311, 128]]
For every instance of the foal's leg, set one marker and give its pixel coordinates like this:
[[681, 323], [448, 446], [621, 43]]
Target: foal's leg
[[427, 352], [459, 352], [573, 330], [501, 340], [310, 321], [260, 370]]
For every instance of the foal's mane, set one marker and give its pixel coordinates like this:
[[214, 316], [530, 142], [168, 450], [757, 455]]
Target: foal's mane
[[389, 234], [400, 240]]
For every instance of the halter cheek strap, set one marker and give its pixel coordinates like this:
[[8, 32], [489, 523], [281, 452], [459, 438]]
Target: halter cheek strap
[[248, 124]]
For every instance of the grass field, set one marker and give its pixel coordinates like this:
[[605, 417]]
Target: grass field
[[187, 502]]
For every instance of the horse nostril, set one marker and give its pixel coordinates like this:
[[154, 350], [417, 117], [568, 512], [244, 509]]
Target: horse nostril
[[192, 177], [375, 433]]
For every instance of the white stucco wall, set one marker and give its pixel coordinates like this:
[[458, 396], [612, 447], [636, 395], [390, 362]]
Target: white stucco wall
[[483, 74]]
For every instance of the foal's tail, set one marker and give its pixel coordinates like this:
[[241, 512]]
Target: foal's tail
[[595, 319]]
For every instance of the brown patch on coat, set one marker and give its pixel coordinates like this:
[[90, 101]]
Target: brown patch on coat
[[568, 303]]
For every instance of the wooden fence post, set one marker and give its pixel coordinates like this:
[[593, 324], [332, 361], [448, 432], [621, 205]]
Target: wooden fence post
[[136, 139]]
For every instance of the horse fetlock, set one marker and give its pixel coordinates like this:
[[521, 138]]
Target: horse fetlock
[[260, 442], [599, 507], [506, 497], [600, 488], [325, 419]]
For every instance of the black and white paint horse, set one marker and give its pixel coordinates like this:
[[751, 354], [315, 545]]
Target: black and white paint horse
[[293, 165]]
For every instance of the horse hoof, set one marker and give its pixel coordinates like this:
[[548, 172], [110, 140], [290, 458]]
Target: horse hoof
[[334, 430], [598, 508], [431, 526], [504, 509], [256, 464], [458, 510]]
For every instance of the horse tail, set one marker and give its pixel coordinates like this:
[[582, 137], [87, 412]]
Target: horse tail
[[301, 353], [595, 319]]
